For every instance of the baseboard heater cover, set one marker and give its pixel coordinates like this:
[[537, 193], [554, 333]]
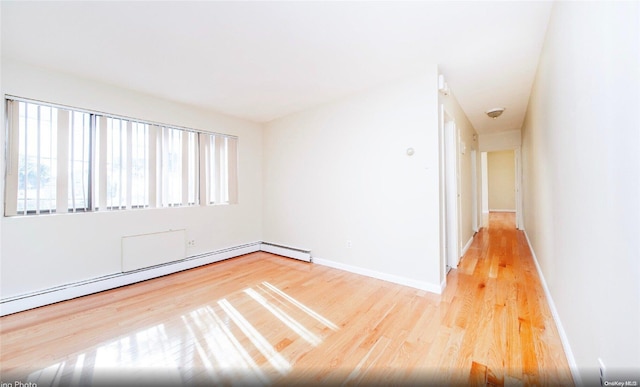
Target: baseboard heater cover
[[286, 251], [153, 249], [65, 292]]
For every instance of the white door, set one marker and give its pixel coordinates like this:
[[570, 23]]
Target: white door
[[451, 193], [474, 191]]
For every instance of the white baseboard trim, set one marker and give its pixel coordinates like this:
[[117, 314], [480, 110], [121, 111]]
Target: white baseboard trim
[[500, 210], [66, 292], [286, 251], [379, 275], [485, 219], [573, 366], [466, 247]]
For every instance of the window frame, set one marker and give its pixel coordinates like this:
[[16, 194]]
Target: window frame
[[195, 176]]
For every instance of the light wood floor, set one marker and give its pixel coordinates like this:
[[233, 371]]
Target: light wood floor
[[264, 319]]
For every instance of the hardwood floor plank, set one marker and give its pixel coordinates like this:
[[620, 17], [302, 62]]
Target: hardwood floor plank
[[478, 374]]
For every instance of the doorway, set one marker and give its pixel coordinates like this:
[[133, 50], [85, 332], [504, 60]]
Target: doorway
[[500, 183]]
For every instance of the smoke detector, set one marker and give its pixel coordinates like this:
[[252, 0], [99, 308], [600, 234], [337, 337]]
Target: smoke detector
[[495, 112]]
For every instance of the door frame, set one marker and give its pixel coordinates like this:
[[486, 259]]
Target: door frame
[[517, 152], [518, 165]]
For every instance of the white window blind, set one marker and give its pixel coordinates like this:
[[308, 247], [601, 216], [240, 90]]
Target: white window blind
[[171, 155], [179, 164], [79, 158], [68, 160], [220, 163], [139, 165]]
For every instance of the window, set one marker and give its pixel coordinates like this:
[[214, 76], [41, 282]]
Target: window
[[125, 164], [37, 159], [65, 160]]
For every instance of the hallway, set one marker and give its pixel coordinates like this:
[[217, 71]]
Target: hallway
[[496, 296]]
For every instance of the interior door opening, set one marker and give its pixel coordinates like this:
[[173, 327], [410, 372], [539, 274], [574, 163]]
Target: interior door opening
[[501, 184]]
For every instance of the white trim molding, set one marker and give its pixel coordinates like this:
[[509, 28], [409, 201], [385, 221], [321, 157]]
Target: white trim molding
[[78, 289], [573, 366], [500, 210], [485, 219], [422, 285], [466, 247]]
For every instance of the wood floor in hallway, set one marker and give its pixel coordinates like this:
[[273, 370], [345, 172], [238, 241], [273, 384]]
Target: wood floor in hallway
[[261, 319]]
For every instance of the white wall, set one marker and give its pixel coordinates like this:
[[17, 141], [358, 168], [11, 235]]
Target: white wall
[[581, 179], [48, 250], [501, 169], [490, 142], [340, 172]]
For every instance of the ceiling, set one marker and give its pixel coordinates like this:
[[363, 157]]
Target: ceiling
[[264, 60]]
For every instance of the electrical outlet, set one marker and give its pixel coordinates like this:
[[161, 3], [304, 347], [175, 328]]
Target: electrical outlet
[[348, 244], [603, 372], [191, 243]]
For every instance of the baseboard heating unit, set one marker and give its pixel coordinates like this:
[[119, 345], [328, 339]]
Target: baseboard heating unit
[[130, 274], [144, 257], [286, 251]]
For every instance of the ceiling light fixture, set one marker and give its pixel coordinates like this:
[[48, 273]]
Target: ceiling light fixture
[[495, 112]]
